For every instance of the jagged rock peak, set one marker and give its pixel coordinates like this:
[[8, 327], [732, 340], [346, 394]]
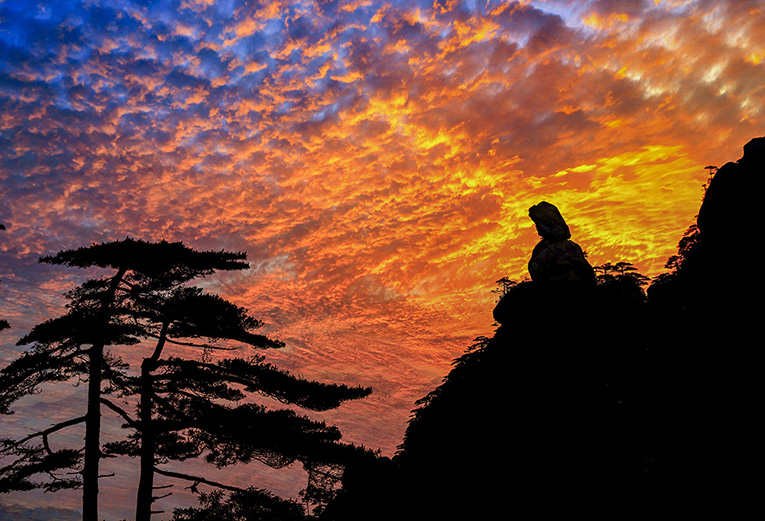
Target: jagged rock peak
[[754, 150]]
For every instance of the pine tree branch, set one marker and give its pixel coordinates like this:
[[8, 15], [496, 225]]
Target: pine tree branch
[[180, 424], [160, 345], [130, 285], [44, 433], [120, 411], [204, 346], [197, 480], [270, 381], [193, 344]]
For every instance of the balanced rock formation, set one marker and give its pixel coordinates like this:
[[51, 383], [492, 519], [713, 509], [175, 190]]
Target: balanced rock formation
[[556, 258], [561, 277]]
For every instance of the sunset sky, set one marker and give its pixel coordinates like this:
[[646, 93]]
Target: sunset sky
[[375, 160]]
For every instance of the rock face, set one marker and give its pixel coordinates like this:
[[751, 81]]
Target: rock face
[[556, 258], [707, 319], [731, 213]]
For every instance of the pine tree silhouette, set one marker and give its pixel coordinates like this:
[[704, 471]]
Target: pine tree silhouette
[[182, 411]]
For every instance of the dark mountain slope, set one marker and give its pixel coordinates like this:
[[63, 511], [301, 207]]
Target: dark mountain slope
[[593, 399], [706, 317]]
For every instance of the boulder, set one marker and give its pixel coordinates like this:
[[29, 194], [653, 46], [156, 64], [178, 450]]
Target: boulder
[[560, 261], [549, 221]]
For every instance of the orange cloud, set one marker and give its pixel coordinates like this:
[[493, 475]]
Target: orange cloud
[[376, 161]]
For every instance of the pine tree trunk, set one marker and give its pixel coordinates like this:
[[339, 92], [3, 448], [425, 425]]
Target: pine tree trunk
[[92, 437], [93, 415], [145, 496], [146, 480]]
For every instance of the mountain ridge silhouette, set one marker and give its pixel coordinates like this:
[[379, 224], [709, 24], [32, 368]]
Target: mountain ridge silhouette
[[604, 400]]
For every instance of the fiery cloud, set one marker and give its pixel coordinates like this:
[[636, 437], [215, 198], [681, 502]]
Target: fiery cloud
[[376, 160]]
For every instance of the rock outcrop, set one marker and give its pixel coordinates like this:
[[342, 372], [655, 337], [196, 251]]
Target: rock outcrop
[[561, 277], [556, 258], [732, 207]]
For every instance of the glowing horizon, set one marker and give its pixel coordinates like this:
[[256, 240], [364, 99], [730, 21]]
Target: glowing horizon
[[376, 160]]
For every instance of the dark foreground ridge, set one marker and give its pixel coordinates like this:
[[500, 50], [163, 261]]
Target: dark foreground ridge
[[592, 397]]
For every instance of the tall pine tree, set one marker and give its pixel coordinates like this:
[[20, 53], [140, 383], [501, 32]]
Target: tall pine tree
[[180, 413], [199, 407]]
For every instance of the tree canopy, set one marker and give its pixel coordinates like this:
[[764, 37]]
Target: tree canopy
[[185, 407]]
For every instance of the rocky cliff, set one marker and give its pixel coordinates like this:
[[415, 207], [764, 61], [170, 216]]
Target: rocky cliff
[[591, 398]]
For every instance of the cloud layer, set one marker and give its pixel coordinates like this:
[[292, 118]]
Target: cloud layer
[[376, 160]]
